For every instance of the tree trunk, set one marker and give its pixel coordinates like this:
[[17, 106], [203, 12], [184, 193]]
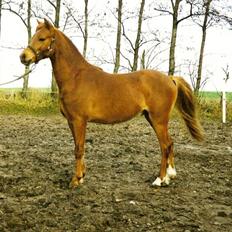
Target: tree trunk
[[118, 42], [175, 7], [143, 65], [57, 14], [24, 92], [86, 29], [0, 17], [26, 77], [137, 42], [201, 56], [54, 88]]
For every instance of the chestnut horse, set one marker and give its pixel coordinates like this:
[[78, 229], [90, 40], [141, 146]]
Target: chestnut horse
[[88, 94]]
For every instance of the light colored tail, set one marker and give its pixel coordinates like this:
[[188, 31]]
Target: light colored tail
[[185, 104]]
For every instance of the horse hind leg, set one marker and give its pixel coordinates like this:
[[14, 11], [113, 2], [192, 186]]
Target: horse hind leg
[[167, 168], [166, 171], [171, 170]]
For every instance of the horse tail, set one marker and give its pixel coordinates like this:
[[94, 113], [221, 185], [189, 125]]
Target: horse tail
[[186, 105]]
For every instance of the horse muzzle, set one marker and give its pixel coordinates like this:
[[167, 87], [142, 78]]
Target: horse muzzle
[[27, 57]]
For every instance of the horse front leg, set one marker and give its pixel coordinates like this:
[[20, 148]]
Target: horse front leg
[[78, 128]]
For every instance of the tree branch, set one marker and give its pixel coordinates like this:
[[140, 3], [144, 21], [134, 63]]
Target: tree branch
[[127, 38], [17, 14], [52, 4], [127, 59], [173, 5], [163, 11], [188, 16]]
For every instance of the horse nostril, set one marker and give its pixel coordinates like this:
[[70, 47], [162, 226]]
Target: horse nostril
[[23, 57]]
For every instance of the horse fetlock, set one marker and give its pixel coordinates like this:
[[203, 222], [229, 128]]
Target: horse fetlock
[[161, 182], [166, 180], [81, 180], [171, 172], [76, 181]]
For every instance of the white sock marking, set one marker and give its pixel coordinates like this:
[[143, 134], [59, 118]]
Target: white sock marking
[[157, 182], [171, 172], [166, 179]]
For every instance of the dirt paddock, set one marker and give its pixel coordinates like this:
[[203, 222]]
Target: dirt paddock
[[36, 165]]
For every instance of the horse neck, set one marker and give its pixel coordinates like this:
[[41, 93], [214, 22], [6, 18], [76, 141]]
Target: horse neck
[[67, 61]]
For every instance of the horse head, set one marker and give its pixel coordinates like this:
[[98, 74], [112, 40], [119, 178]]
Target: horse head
[[41, 45]]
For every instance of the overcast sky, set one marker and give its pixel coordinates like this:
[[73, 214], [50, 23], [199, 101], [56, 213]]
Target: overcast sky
[[218, 51]]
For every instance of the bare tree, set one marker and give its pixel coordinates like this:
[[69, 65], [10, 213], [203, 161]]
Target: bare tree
[[204, 27], [175, 7], [57, 13], [134, 46], [138, 41], [85, 35], [56, 6], [118, 40], [24, 13], [143, 62], [192, 73], [176, 20], [0, 17], [82, 23], [151, 54], [211, 16], [27, 67]]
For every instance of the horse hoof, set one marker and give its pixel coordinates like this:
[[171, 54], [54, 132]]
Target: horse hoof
[[81, 181], [171, 172], [166, 180], [76, 182], [157, 182]]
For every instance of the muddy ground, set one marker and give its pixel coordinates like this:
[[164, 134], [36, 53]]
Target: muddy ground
[[36, 165]]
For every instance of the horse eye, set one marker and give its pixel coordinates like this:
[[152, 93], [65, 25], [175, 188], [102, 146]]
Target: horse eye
[[41, 39]]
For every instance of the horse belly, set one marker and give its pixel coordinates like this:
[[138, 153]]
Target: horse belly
[[114, 113]]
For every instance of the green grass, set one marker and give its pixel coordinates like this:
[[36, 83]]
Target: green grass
[[39, 103], [215, 95], [210, 105]]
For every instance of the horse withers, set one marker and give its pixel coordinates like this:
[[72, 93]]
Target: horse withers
[[88, 94]]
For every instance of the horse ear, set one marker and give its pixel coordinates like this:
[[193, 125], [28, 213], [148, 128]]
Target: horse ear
[[48, 24], [38, 22]]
